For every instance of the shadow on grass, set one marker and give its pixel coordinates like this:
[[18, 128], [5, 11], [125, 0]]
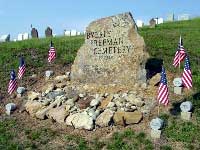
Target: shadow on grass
[[195, 99]]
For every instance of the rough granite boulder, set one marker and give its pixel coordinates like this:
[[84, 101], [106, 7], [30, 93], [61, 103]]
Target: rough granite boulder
[[105, 118], [80, 121], [58, 114], [113, 53], [121, 117]]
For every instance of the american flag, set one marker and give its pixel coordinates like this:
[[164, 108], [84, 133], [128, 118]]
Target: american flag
[[180, 53], [52, 53], [187, 74], [22, 68], [13, 82], [163, 92]]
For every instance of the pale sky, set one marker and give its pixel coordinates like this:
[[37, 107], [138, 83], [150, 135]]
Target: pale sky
[[16, 16]]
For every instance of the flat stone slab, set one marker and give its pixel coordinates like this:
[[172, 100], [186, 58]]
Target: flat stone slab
[[156, 134], [186, 116], [178, 90], [113, 53]]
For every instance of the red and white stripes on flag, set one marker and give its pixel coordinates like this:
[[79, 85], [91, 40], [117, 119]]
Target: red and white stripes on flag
[[52, 53], [163, 92], [22, 68], [180, 54], [13, 83], [187, 74]]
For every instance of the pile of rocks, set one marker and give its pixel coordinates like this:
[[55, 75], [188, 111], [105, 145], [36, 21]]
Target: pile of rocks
[[66, 105]]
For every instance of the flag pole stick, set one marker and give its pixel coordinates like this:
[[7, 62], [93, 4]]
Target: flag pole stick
[[158, 108]]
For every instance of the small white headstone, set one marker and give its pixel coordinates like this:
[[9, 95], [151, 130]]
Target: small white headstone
[[67, 33], [20, 90], [10, 107], [25, 36], [177, 82], [20, 37], [73, 33], [48, 73], [178, 90], [186, 106], [156, 124]]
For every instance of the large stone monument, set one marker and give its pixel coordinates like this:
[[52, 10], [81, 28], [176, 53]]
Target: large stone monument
[[113, 53]]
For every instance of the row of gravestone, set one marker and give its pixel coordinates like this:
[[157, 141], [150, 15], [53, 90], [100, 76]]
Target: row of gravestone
[[48, 32]]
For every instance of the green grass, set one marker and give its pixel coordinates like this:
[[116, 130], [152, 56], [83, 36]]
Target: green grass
[[161, 43], [35, 52]]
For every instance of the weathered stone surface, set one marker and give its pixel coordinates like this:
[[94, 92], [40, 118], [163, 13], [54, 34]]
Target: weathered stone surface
[[10, 107], [186, 106], [178, 90], [113, 53], [121, 117], [154, 80], [156, 134], [49, 73], [80, 121], [42, 113], [32, 107], [48, 32], [186, 115], [156, 124], [34, 33], [48, 88], [58, 114], [105, 118], [33, 95], [105, 102], [135, 100], [21, 90], [61, 78], [84, 103]]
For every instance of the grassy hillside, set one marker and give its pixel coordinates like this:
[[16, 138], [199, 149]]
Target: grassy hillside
[[35, 52], [161, 43]]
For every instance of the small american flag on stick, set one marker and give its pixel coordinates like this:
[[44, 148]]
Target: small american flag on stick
[[13, 83], [163, 92], [180, 53], [52, 53], [187, 74], [22, 68]]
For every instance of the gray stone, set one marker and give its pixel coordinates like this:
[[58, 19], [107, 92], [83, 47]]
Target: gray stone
[[95, 102], [34, 33], [111, 104], [10, 107], [49, 73], [113, 53], [156, 124], [105, 118], [186, 116], [21, 90], [48, 32], [54, 94], [177, 82], [186, 106], [178, 90], [156, 134], [152, 23], [58, 114]]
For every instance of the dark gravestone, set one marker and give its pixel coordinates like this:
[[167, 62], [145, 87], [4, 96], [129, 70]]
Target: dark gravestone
[[48, 32], [34, 33], [152, 23]]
